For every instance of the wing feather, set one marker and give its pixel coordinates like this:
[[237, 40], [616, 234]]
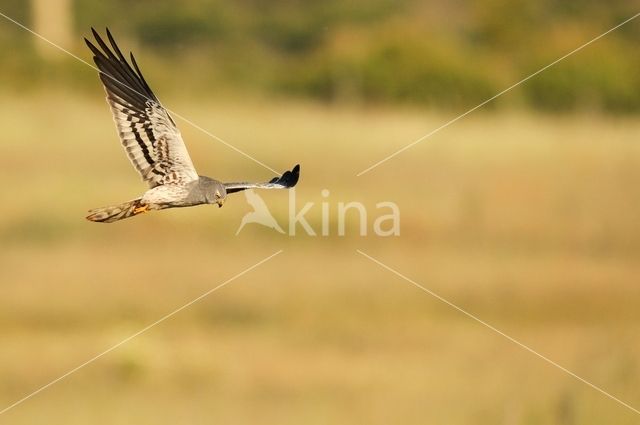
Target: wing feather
[[149, 135], [286, 181]]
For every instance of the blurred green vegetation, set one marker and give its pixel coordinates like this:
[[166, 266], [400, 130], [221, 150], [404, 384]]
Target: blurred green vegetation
[[451, 54]]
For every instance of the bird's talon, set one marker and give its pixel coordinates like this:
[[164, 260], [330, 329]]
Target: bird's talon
[[141, 209]]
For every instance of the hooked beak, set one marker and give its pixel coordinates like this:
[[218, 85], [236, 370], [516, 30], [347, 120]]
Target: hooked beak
[[220, 202]]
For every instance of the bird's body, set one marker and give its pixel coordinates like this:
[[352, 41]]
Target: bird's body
[[154, 145], [196, 192]]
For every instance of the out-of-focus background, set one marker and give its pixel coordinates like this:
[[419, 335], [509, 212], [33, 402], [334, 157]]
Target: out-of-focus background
[[525, 213]]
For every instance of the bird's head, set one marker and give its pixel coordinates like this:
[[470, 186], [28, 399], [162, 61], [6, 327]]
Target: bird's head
[[213, 190], [219, 195]]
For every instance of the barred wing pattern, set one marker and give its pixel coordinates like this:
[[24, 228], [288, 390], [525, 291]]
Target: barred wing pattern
[[149, 135], [286, 181]]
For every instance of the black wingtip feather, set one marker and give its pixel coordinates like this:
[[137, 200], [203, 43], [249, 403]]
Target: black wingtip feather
[[118, 72], [88, 43], [115, 46], [105, 48], [135, 65], [94, 49], [289, 178]]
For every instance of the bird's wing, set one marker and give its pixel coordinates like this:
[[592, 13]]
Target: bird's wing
[[285, 181], [148, 133]]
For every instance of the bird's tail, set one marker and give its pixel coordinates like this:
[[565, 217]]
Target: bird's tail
[[117, 212]]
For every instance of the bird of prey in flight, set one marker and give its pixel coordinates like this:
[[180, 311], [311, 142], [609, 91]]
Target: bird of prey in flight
[[154, 145]]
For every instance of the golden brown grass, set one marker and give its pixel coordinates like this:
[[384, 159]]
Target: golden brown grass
[[529, 222]]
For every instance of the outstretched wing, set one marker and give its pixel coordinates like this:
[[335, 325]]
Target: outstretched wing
[[286, 181], [149, 135]]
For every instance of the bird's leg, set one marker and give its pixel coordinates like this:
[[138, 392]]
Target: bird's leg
[[141, 209]]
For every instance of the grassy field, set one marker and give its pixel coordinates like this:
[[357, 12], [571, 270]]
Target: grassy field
[[529, 222]]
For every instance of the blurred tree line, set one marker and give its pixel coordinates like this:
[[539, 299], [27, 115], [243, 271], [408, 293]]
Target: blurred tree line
[[453, 53]]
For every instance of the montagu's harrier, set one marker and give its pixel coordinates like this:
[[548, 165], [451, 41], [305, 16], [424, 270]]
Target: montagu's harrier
[[154, 145]]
